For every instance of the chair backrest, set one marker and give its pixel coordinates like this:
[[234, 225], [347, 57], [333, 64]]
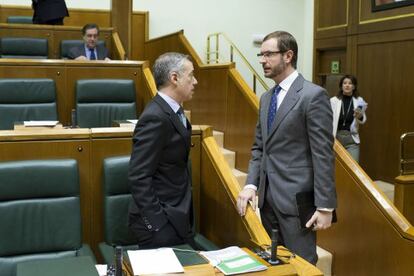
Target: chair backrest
[[23, 47], [66, 45], [39, 211], [116, 201], [18, 19], [26, 99], [101, 101]]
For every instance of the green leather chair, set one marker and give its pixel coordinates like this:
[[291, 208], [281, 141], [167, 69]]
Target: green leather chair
[[66, 45], [23, 47], [116, 202], [18, 19], [40, 212], [26, 99], [101, 101]]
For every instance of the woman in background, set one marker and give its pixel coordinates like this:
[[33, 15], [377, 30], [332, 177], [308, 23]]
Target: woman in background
[[348, 113]]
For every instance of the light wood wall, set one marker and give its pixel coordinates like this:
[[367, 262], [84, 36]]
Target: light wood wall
[[371, 236], [65, 73], [376, 47]]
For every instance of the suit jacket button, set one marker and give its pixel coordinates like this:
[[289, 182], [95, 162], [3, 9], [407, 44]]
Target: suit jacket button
[[149, 227]]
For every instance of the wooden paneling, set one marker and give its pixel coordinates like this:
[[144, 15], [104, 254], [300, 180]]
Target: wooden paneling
[[139, 34], [331, 18], [385, 83], [241, 119], [369, 227], [77, 17], [66, 73], [121, 16]]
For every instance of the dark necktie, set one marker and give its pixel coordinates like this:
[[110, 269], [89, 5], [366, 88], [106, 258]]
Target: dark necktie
[[273, 107], [92, 56], [182, 117]]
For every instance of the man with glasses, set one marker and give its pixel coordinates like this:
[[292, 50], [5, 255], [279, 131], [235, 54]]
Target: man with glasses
[[90, 50], [292, 155]]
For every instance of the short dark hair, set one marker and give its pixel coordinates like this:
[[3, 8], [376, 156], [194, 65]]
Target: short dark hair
[[354, 82], [88, 27], [165, 65], [285, 42]]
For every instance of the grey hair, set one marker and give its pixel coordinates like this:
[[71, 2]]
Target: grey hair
[[165, 65]]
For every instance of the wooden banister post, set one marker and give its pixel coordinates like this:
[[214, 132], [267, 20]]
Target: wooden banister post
[[121, 18], [404, 196]]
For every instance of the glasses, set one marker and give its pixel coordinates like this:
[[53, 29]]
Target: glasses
[[269, 54]]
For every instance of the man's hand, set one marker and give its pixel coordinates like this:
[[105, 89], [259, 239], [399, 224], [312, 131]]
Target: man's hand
[[244, 196], [81, 58], [320, 220]]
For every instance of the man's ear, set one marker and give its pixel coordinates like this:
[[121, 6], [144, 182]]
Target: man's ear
[[288, 56], [173, 77]]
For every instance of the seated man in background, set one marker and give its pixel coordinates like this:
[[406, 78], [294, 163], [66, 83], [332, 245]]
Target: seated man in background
[[90, 50], [160, 213]]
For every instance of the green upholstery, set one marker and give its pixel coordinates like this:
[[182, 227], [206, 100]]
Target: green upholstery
[[39, 211], [26, 99], [116, 201], [18, 19], [66, 45], [23, 47], [101, 101]]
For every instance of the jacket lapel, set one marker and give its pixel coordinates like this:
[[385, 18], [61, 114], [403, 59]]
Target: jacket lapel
[[265, 111], [178, 125], [288, 103]]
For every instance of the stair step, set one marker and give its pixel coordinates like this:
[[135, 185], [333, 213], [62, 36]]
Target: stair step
[[324, 261], [219, 137], [230, 157], [386, 188], [240, 176]]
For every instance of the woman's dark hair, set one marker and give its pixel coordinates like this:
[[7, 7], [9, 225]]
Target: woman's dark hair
[[354, 82]]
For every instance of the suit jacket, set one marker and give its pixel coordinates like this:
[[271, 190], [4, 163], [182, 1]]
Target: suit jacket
[[159, 176], [45, 10], [77, 51], [296, 155], [336, 105]]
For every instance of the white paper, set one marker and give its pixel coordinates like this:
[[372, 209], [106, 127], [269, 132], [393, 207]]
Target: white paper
[[41, 123], [148, 261], [217, 256], [133, 121], [102, 269]]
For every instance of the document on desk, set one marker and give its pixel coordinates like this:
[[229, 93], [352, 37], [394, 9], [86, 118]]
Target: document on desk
[[154, 261], [233, 260], [40, 123]]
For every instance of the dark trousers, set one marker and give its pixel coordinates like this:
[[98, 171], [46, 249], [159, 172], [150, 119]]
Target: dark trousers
[[166, 237], [57, 21], [299, 241]]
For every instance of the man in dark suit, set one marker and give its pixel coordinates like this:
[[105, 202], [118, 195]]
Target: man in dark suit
[[160, 213], [90, 50], [293, 150], [49, 12]]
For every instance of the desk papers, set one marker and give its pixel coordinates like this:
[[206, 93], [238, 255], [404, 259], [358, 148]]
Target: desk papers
[[40, 123], [233, 260], [154, 261]]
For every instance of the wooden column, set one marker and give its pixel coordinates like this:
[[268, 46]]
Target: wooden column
[[121, 18], [404, 196]]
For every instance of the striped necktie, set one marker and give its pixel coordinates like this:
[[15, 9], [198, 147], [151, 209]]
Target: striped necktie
[[182, 117]]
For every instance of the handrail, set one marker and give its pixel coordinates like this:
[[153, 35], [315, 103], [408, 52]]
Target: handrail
[[118, 46], [403, 160], [233, 49]]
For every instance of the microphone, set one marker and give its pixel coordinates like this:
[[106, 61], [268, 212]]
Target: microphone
[[273, 260], [73, 119], [118, 261]]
